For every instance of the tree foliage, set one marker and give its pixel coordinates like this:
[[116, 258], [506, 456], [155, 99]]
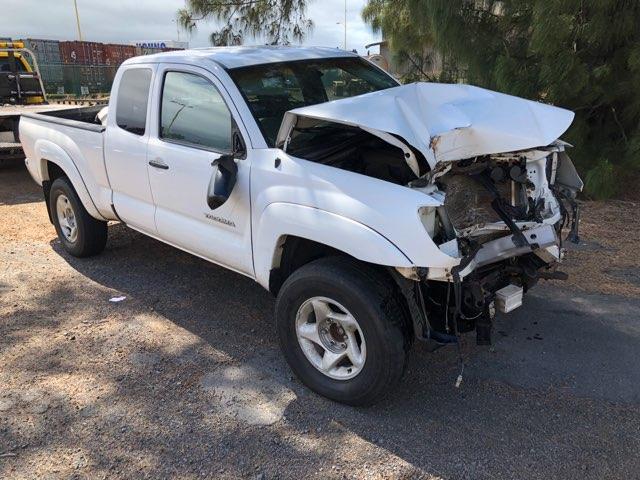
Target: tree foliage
[[280, 22], [583, 55]]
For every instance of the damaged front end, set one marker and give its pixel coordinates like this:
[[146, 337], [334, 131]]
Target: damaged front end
[[503, 217], [501, 190]]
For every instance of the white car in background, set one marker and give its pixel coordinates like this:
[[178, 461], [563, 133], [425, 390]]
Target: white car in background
[[376, 213]]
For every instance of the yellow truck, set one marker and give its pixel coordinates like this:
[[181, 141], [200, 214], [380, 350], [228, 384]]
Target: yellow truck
[[20, 83], [21, 91]]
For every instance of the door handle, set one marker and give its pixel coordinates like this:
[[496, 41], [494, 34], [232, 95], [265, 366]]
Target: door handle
[[159, 164]]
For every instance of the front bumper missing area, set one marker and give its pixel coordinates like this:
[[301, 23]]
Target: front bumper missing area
[[543, 240]]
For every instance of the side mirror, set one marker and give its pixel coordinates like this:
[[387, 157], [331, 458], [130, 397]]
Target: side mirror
[[226, 171], [222, 181]]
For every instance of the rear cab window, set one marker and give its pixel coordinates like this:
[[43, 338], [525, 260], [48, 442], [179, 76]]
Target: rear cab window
[[133, 98]]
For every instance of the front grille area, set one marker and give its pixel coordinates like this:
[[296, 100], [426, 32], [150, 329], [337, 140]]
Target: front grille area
[[468, 203]]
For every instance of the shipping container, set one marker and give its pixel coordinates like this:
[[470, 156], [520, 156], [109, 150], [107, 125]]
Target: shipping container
[[110, 74], [46, 51], [51, 73], [82, 68], [82, 53], [129, 51], [147, 50], [115, 54], [87, 79]]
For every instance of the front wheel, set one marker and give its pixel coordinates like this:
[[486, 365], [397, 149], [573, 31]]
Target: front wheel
[[80, 234], [341, 329]]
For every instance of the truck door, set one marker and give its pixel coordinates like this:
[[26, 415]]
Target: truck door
[[194, 121], [126, 147]]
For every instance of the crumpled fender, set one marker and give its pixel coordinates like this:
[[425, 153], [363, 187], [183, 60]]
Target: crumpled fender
[[280, 219], [567, 175]]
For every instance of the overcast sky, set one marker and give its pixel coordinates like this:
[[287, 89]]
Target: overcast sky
[[151, 20]]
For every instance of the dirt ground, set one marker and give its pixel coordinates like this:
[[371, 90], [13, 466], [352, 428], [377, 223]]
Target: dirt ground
[[607, 259], [183, 377]]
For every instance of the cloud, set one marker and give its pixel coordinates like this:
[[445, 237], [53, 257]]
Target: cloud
[[124, 21]]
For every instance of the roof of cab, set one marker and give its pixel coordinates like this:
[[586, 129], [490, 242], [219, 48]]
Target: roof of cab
[[244, 56]]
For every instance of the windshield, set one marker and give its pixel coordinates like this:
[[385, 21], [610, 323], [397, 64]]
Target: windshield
[[275, 88], [6, 64]]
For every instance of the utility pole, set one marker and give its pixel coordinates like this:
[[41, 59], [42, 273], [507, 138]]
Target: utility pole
[[75, 4], [345, 24]]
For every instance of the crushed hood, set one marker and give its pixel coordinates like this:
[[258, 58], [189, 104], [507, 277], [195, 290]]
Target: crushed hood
[[444, 122]]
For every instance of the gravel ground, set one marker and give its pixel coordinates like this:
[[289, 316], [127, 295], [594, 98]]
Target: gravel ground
[[183, 378]]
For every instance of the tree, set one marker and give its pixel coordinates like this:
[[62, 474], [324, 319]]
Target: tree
[[278, 21], [579, 54]]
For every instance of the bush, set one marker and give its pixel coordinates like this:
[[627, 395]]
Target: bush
[[601, 181], [583, 55]]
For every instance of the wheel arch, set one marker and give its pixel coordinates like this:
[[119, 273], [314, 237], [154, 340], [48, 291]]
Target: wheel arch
[[287, 236], [53, 162], [293, 252]]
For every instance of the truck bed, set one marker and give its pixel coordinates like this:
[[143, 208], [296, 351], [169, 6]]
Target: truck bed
[[10, 148], [74, 141]]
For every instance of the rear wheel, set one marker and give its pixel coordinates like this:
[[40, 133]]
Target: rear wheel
[[340, 328], [80, 234]]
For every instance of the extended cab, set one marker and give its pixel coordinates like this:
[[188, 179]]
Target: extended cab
[[376, 213]]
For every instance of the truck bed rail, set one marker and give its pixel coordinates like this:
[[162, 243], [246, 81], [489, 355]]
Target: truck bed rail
[[93, 127]]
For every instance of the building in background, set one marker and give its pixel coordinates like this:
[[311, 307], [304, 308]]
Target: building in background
[[160, 45], [429, 66]]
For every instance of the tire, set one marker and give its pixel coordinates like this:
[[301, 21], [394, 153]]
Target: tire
[[89, 236], [352, 290]]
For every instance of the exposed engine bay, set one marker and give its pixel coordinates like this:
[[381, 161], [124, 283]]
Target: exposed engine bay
[[352, 149]]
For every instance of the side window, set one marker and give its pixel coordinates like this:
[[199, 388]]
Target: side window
[[133, 95], [193, 112]]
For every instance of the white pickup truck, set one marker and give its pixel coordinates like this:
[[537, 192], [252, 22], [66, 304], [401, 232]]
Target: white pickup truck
[[376, 213]]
